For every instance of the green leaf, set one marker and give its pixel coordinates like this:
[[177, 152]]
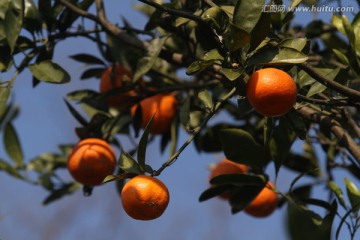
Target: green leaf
[[12, 144], [356, 27], [87, 59], [349, 31], [6, 167], [239, 146], [260, 31], [297, 123], [247, 13], [141, 154], [353, 195], [242, 196], [302, 163], [303, 223], [338, 23], [92, 73], [65, 189], [4, 96], [280, 143], [185, 111], [205, 97], [240, 180], [213, 54], [49, 71], [13, 22], [129, 164], [341, 56], [231, 74], [213, 192], [146, 62], [296, 43], [198, 66], [235, 38], [318, 87], [4, 5], [273, 56], [338, 193]]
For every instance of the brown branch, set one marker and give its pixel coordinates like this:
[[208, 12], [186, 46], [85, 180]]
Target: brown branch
[[345, 140], [351, 121], [351, 93]]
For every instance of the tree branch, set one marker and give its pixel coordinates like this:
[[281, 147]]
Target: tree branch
[[351, 93], [345, 140]]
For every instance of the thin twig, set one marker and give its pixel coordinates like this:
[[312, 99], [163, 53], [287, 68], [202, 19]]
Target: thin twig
[[327, 102], [196, 131]]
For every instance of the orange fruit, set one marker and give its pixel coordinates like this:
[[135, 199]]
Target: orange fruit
[[115, 79], [144, 197], [226, 166], [91, 160], [164, 106], [265, 202], [271, 92]]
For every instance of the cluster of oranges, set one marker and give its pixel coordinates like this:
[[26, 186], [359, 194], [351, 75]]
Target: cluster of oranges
[[143, 197], [264, 203], [270, 91]]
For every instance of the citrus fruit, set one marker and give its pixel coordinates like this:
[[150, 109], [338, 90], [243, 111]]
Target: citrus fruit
[[271, 92], [91, 160], [265, 202], [115, 78], [164, 106], [144, 197], [226, 166]]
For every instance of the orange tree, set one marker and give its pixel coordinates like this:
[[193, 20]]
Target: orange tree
[[220, 44]]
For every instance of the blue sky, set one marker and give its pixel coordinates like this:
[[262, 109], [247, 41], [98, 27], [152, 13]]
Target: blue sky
[[44, 122]]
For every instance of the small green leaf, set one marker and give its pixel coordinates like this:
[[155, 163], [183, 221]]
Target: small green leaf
[[65, 189], [231, 74], [87, 59], [146, 62], [213, 54], [129, 164], [12, 144], [338, 193], [273, 56], [213, 192], [6, 167], [242, 196], [280, 143], [341, 56], [318, 87], [185, 111], [240, 146], [13, 22], [247, 14], [296, 43], [235, 38], [240, 180], [141, 154], [198, 66], [4, 95], [92, 73], [49, 71], [353, 194], [206, 99]]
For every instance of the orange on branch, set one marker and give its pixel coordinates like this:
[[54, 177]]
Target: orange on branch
[[265, 202], [91, 160], [164, 106], [112, 79], [226, 166], [144, 197], [271, 92]]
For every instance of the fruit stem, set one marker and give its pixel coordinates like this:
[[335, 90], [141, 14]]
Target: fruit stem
[[196, 131]]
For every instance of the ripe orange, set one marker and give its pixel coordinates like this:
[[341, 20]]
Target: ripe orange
[[115, 79], [265, 202], [91, 160], [144, 197], [165, 107], [226, 166], [271, 92]]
